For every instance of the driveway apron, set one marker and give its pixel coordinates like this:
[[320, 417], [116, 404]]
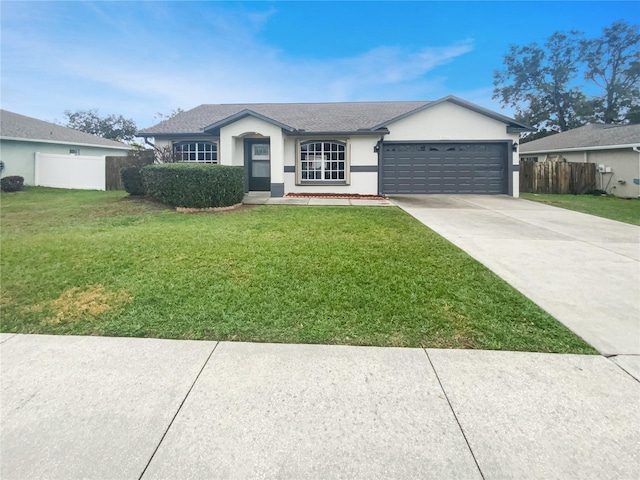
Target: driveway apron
[[583, 270]]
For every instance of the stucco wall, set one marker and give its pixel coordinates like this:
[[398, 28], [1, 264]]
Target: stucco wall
[[359, 153], [362, 153], [19, 156], [578, 157], [163, 142], [448, 121], [231, 149], [624, 181]]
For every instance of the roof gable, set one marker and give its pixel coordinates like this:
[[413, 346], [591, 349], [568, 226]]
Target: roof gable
[[20, 127], [512, 125], [243, 114], [587, 137]]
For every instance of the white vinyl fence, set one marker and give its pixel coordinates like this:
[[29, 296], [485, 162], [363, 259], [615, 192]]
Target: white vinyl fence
[[70, 171]]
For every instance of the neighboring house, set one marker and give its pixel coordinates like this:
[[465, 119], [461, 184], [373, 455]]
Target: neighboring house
[[615, 149], [444, 146], [21, 137]]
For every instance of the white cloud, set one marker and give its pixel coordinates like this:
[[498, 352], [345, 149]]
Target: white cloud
[[385, 66], [156, 65]]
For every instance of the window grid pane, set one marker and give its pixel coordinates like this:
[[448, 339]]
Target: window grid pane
[[323, 161], [196, 152]]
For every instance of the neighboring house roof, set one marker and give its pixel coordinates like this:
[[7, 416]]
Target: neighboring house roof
[[14, 126], [589, 137], [306, 117]]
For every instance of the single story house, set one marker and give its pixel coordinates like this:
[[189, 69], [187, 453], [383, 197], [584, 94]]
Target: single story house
[[443, 146], [21, 137], [615, 149]]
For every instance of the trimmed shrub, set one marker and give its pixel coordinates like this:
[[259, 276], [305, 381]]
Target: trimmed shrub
[[132, 180], [194, 185], [140, 158], [13, 183]]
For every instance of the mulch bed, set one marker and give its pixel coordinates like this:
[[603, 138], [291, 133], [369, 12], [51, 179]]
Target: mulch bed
[[208, 210], [350, 196]]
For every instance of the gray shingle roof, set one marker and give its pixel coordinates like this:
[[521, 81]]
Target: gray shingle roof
[[596, 135], [311, 117], [14, 125]]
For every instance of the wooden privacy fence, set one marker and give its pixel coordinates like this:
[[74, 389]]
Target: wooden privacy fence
[[113, 165], [557, 177]]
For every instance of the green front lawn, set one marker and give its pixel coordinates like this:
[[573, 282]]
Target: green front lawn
[[98, 263], [615, 208]]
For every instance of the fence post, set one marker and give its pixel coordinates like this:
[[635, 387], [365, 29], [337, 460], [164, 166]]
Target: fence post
[[36, 176]]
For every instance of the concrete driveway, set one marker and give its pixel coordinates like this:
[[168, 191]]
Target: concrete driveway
[[583, 270]]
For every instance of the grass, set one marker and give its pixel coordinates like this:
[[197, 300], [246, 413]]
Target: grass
[[98, 263], [615, 208]]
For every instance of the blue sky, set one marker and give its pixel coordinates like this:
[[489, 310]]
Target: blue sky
[[140, 58]]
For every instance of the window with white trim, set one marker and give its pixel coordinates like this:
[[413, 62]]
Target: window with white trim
[[323, 161], [206, 152]]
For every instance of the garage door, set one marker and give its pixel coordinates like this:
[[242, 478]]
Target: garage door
[[444, 168]]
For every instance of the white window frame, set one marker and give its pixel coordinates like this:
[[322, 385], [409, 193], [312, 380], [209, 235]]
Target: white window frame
[[196, 152], [321, 157]]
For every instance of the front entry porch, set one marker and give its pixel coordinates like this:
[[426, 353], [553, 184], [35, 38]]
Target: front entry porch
[[257, 161]]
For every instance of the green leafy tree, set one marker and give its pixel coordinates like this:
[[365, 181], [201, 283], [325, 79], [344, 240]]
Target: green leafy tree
[[114, 127], [633, 114], [542, 82], [613, 64], [538, 82]]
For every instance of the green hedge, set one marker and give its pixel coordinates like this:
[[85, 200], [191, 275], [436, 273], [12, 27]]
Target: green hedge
[[132, 180], [194, 185], [14, 183]]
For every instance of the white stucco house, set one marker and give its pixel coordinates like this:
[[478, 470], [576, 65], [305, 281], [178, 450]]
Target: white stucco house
[[23, 138], [369, 148], [615, 149]]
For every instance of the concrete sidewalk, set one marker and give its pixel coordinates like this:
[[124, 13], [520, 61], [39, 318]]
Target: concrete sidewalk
[[583, 270], [105, 408]]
